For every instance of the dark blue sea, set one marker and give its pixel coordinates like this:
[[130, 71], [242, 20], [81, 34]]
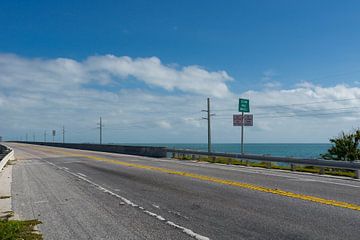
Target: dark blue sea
[[303, 150]]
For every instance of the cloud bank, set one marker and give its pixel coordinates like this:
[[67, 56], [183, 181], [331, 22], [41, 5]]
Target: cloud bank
[[60, 73], [45, 94]]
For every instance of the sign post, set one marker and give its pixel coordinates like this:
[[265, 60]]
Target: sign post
[[244, 106], [242, 133]]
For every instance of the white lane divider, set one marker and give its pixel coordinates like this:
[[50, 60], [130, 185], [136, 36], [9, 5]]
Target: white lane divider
[[83, 175], [128, 202]]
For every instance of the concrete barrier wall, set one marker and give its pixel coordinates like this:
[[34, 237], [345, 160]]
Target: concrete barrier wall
[[157, 152], [6, 154]]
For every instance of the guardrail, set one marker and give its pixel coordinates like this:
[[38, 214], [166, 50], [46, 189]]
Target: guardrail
[[355, 165], [6, 154]]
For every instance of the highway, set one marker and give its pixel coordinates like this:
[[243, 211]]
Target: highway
[[92, 195]]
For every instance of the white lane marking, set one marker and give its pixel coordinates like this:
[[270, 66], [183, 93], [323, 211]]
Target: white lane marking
[[303, 180], [156, 206], [43, 201], [83, 175], [178, 214], [187, 231], [128, 202], [154, 215]]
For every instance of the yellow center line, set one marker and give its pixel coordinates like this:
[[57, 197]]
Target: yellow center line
[[219, 181]]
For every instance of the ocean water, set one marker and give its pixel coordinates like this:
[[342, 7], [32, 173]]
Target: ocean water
[[302, 150]]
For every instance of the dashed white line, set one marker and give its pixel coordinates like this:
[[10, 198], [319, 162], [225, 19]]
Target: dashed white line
[[83, 175], [128, 202]]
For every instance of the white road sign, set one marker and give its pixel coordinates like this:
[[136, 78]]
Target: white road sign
[[238, 120]]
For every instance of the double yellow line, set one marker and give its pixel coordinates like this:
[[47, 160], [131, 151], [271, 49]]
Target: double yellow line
[[219, 181]]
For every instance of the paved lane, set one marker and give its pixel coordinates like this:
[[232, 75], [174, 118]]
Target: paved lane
[[92, 195]]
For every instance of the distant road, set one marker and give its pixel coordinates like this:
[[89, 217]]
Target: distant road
[[92, 195]]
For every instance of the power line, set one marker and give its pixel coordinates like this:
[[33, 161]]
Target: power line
[[293, 104], [296, 115], [297, 111]]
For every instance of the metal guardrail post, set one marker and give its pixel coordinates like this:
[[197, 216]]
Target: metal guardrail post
[[293, 167], [268, 165], [357, 172]]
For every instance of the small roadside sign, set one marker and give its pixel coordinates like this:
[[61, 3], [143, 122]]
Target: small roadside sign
[[238, 120], [244, 105]]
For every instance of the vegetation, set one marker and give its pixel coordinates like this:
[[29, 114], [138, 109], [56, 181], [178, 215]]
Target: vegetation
[[14, 230], [345, 147]]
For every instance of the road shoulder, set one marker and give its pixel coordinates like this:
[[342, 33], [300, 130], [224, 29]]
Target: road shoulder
[[5, 191]]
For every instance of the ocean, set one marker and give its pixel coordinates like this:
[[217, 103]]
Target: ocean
[[302, 150]]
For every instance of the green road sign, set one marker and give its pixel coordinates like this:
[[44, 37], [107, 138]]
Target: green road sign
[[244, 105]]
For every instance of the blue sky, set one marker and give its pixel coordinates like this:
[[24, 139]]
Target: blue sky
[[264, 47]]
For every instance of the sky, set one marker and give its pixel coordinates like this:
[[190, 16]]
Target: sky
[[147, 68]]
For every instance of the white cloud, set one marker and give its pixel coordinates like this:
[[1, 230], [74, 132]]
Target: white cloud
[[192, 79], [268, 80], [44, 94], [164, 124], [58, 74]]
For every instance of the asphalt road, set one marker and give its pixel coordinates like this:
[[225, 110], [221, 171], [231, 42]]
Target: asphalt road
[[92, 195]]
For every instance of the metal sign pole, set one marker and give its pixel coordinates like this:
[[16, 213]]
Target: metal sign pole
[[242, 133]]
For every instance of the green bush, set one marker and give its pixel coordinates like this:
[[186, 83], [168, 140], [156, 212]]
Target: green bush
[[345, 147]]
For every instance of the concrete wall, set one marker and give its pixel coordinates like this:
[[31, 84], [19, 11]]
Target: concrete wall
[[6, 154], [157, 152]]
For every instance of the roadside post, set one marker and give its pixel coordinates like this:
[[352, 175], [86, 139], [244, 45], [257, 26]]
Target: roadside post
[[357, 172], [243, 120]]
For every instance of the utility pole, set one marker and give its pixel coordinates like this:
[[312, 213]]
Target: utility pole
[[26, 137], [53, 135], [101, 128], [45, 136], [208, 118], [33, 137], [63, 133]]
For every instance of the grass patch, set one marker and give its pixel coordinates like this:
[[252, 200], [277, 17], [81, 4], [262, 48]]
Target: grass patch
[[308, 169], [15, 230]]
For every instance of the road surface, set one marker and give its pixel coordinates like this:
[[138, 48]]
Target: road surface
[[93, 195]]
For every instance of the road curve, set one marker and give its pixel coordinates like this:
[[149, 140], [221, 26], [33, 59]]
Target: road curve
[[91, 195]]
